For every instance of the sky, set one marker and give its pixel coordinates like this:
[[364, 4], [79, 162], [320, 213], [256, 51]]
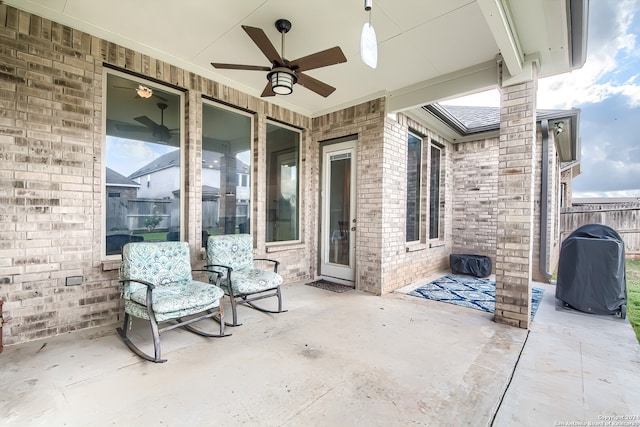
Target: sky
[[607, 91]]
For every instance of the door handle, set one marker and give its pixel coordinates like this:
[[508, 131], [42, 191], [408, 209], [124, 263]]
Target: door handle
[[353, 229]]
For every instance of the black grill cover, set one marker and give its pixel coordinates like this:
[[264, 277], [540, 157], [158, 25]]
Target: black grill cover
[[474, 265], [591, 270]]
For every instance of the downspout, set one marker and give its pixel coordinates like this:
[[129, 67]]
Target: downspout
[[544, 199]]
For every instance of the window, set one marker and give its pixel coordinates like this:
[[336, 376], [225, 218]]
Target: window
[[283, 153], [414, 165], [226, 170], [434, 193], [143, 139]]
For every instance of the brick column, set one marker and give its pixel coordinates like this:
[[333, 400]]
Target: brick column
[[515, 203]]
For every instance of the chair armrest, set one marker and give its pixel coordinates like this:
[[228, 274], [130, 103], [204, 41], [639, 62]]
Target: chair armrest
[[143, 282], [212, 271], [229, 270], [275, 263], [209, 266], [150, 287]]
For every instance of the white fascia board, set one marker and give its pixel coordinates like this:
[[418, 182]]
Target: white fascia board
[[500, 25], [477, 78]]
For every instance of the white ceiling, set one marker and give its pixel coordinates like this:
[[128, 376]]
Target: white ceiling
[[421, 43]]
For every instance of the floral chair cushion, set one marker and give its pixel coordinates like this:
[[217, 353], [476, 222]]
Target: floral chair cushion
[[167, 265], [251, 280], [236, 251], [155, 262], [233, 250], [174, 300]]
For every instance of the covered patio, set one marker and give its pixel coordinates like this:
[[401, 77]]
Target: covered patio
[[70, 96], [336, 359]]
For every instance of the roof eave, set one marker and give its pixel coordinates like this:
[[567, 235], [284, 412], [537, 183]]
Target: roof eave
[[579, 19]]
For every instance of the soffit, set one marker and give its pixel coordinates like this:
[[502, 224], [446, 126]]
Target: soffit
[[419, 41]]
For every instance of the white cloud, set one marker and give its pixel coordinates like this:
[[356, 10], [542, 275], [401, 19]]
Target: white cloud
[[126, 156], [607, 89], [601, 194], [610, 46]]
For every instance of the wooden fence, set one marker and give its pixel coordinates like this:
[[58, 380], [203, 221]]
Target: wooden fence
[[622, 217]]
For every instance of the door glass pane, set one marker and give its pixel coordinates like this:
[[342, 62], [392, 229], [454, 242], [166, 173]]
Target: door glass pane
[[339, 208]]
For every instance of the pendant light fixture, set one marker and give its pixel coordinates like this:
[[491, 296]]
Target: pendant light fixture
[[368, 42]]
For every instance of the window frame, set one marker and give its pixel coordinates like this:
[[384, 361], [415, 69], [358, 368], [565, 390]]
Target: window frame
[[251, 180], [419, 186], [153, 84], [434, 145], [300, 184]]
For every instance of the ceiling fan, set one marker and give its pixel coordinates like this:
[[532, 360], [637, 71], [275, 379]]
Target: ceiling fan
[[160, 132], [283, 74]]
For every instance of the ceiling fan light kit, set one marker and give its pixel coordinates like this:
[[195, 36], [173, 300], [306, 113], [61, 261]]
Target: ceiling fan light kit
[[282, 80], [283, 74]]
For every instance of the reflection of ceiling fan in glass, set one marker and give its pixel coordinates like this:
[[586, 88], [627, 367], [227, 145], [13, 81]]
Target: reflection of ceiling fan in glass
[[160, 132], [142, 91]]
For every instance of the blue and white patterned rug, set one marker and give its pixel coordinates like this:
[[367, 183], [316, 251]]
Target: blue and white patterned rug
[[469, 291]]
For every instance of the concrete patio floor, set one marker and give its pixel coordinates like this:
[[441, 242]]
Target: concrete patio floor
[[349, 359]]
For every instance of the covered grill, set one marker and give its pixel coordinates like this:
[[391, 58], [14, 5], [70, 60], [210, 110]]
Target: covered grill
[[591, 271]]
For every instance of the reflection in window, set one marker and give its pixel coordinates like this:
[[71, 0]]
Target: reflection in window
[[226, 171], [142, 147], [434, 193], [414, 164], [283, 153]]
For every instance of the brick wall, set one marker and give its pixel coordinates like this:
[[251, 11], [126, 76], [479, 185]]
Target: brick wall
[[516, 172], [384, 261], [366, 123], [475, 201], [566, 178], [404, 263], [51, 207]]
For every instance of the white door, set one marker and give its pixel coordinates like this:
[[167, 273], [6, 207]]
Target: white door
[[338, 227]]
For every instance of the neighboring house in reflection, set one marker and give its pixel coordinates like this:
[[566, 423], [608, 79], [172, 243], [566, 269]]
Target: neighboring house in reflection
[[159, 185], [119, 190]]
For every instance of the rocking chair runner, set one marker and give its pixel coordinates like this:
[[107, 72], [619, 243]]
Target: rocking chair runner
[[157, 286], [232, 256]]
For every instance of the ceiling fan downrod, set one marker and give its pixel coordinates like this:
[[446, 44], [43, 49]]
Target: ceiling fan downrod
[[283, 26]]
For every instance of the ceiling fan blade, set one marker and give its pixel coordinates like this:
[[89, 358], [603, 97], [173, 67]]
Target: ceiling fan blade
[[268, 90], [131, 128], [160, 98], [264, 44], [320, 59], [240, 67], [146, 121], [315, 85]]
